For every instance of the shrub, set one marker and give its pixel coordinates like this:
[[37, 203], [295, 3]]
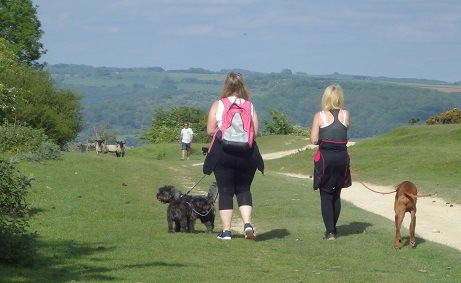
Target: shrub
[[280, 124], [31, 144], [16, 244], [18, 138], [49, 150], [299, 130], [452, 116]]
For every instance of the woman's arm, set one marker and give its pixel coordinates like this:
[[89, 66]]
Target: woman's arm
[[255, 123], [315, 129], [348, 125], [212, 123]]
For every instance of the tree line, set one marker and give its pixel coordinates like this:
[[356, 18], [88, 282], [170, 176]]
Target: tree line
[[36, 119], [127, 98]]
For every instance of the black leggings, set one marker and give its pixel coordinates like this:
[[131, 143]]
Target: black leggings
[[331, 208], [234, 175]]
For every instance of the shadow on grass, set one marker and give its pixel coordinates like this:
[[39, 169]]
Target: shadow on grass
[[63, 263], [353, 228], [273, 234], [34, 211], [406, 242], [69, 261]]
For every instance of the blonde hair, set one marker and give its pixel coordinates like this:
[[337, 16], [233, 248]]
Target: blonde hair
[[234, 84], [333, 98]]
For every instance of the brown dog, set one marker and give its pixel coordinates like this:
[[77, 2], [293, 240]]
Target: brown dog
[[405, 201]]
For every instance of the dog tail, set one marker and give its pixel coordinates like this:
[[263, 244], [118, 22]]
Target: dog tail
[[412, 196], [213, 191], [422, 196]]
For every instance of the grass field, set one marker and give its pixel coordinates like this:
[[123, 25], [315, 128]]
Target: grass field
[[98, 220]]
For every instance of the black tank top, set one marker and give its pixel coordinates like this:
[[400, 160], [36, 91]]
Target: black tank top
[[336, 131]]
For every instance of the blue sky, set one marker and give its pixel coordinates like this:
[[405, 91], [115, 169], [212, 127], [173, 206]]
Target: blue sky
[[400, 39]]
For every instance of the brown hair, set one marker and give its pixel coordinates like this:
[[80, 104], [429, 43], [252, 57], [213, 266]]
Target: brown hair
[[234, 84]]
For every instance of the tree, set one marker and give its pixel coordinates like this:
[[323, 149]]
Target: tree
[[105, 133], [29, 95], [280, 124], [167, 125], [414, 120], [19, 26]]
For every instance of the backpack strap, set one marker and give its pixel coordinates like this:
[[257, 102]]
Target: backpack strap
[[227, 103]]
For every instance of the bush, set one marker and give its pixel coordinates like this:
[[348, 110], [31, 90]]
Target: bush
[[18, 138], [299, 130], [31, 144], [280, 124], [16, 244], [452, 116], [49, 150]]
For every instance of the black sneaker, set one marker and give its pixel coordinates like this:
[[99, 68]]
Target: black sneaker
[[224, 235], [329, 236], [249, 232]]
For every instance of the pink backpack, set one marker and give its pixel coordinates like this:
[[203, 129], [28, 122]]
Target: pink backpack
[[237, 131]]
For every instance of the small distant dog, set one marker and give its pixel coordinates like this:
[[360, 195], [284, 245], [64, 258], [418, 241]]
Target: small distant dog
[[179, 212], [405, 201], [204, 150], [203, 207]]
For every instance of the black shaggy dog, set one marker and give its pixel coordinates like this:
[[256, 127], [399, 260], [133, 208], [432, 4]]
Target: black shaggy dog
[[183, 210], [203, 207], [204, 150], [179, 211]]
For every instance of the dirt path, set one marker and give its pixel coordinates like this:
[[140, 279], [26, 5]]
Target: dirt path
[[437, 220]]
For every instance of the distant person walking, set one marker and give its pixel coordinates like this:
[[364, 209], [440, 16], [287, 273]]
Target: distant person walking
[[234, 171], [187, 136], [331, 162]]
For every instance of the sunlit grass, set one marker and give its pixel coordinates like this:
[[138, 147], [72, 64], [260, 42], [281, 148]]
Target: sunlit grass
[[98, 220]]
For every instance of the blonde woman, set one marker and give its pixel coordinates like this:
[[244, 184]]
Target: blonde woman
[[331, 162], [234, 172]]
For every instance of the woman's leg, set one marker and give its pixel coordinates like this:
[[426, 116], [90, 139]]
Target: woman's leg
[[245, 212], [243, 179], [226, 190], [336, 205], [226, 218], [326, 204]]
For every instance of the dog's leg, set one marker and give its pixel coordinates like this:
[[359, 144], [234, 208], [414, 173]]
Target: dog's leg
[[207, 224], [192, 224], [170, 224], [212, 221], [399, 215], [177, 226], [183, 225], [412, 228]]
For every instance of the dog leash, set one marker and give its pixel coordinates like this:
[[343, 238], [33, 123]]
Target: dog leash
[[195, 184], [199, 213], [208, 212], [360, 181]]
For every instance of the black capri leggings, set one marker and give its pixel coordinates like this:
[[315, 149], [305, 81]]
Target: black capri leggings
[[234, 175], [330, 204]]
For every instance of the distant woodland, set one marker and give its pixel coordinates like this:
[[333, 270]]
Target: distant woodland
[[126, 98]]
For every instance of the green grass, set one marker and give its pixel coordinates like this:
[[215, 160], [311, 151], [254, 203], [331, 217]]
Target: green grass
[[98, 220], [430, 156]]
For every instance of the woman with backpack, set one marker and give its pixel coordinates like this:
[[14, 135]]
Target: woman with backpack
[[233, 161], [331, 162]]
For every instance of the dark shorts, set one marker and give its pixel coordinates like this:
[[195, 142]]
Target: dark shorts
[[186, 146]]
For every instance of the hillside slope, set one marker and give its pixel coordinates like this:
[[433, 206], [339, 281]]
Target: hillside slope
[[126, 98]]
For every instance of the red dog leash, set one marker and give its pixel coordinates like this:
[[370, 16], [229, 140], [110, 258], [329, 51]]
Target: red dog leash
[[360, 181]]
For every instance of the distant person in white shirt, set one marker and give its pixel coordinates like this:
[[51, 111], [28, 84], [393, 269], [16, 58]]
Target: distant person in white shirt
[[186, 139]]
